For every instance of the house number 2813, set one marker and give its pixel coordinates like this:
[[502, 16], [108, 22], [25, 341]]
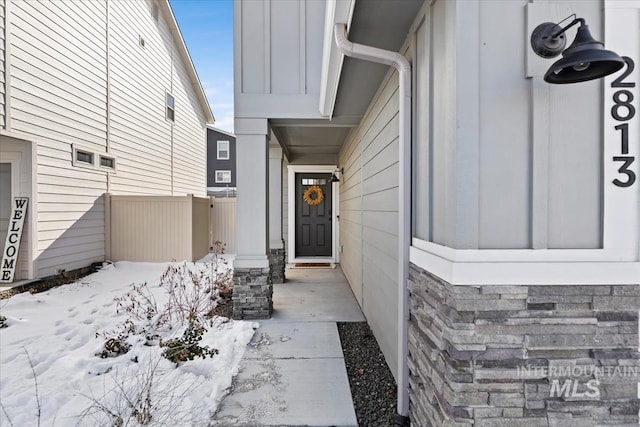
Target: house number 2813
[[623, 111]]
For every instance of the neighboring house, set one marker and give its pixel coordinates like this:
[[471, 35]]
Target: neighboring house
[[494, 216], [96, 97], [221, 162]]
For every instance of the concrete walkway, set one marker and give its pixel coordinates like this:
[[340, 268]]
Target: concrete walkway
[[293, 371]]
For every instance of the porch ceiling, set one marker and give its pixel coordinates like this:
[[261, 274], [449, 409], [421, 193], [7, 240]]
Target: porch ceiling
[[380, 23]]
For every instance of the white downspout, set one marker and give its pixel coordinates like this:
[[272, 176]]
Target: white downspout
[[400, 63]]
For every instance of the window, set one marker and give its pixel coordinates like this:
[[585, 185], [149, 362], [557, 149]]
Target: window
[[107, 162], [154, 10], [308, 181], [223, 150], [223, 177], [89, 158], [171, 109], [82, 156]]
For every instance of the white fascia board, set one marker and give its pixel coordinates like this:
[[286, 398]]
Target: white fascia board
[[526, 266], [337, 12], [184, 55]]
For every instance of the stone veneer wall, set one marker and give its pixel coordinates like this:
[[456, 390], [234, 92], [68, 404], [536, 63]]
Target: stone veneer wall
[[252, 294], [277, 264], [495, 355]]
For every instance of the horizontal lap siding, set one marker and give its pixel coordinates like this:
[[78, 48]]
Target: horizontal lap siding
[[59, 98], [139, 80], [3, 89], [351, 216], [369, 216], [189, 137], [59, 94], [141, 137]]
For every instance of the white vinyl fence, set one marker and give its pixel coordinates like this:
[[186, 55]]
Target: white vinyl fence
[[156, 228], [223, 222]]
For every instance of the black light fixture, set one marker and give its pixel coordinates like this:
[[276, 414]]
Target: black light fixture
[[586, 58]]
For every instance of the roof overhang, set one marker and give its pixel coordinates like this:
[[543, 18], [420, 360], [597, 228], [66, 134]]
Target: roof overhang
[[347, 85], [165, 8], [337, 12]]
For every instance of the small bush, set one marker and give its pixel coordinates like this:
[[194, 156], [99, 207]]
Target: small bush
[[114, 347], [3, 322], [187, 348]]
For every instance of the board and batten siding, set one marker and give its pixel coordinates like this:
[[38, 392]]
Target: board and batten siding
[[369, 216], [513, 162], [80, 77], [278, 58]]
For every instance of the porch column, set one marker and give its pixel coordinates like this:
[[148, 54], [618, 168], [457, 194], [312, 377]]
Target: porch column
[[252, 287], [276, 244]]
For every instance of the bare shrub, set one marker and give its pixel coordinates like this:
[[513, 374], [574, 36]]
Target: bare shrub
[[193, 293], [139, 399]]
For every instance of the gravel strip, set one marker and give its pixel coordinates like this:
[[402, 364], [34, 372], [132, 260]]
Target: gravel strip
[[373, 388]]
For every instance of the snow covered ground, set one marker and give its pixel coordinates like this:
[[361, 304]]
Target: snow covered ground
[[57, 331]]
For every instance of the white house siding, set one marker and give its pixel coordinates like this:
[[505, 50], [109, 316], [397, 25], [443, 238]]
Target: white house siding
[[189, 137], [58, 87], [18, 153], [139, 80], [369, 215], [2, 63], [154, 156], [66, 93]]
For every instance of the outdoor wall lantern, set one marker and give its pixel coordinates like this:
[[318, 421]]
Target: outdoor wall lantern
[[586, 58], [334, 175]]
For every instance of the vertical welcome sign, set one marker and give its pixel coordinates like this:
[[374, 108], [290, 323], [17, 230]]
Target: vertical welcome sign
[[12, 242]]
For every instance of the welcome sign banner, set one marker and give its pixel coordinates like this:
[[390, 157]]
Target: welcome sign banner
[[12, 242]]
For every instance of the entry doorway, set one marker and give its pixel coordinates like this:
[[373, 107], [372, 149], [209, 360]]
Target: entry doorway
[[5, 202], [312, 215]]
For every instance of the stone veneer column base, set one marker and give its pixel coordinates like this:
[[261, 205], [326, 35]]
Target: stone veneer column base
[[515, 356], [277, 264], [252, 294]]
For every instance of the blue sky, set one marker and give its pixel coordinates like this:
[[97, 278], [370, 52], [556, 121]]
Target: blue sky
[[207, 29]]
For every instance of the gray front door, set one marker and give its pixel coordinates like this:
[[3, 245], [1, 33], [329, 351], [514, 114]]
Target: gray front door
[[313, 219]]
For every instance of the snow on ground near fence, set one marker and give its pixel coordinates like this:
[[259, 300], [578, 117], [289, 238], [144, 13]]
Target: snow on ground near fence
[[57, 329]]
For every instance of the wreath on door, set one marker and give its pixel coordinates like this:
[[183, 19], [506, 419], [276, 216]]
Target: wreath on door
[[313, 195]]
